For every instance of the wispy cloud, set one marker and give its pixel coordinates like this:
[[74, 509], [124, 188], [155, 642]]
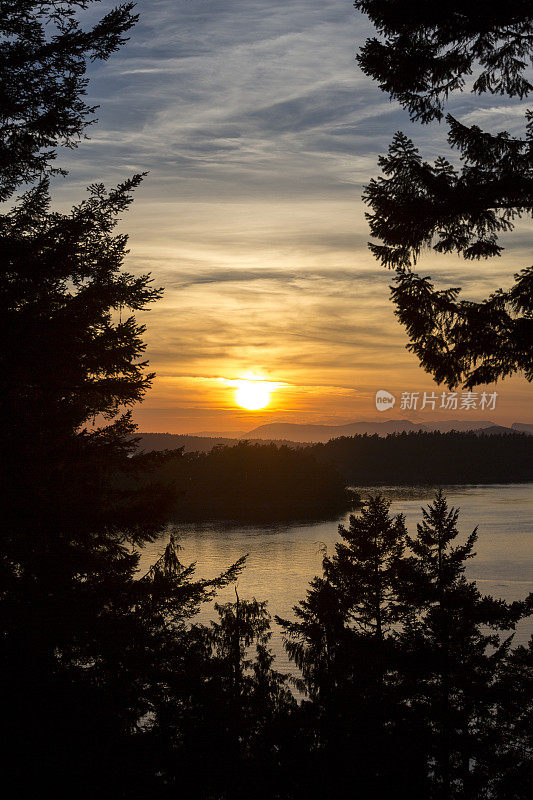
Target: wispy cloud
[[259, 132]]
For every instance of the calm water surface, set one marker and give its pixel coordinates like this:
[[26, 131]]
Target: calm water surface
[[284, 558]]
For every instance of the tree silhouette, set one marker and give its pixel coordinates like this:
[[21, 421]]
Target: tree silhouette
[[44, 51], [343, 641], [427, 53], [453, 649], [256, 696], [79, 633], [511, 730], [67, 554], [431, 51], [364, 568], [408, 669], [224, 716]]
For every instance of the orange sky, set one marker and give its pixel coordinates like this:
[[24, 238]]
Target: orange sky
[[259, 134], [263, 291]]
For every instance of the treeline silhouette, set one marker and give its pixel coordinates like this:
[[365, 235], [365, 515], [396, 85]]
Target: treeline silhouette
[[248, 482], [435, 458], [255, 482]]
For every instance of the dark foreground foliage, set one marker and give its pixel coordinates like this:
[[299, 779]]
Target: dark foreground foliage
[[408, 669], [424, 53], [405, 672]]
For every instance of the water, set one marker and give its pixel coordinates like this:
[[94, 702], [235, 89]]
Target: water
[[283, 558]]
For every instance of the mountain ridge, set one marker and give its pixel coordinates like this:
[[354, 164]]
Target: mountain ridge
[[323, 433], [300, 434]]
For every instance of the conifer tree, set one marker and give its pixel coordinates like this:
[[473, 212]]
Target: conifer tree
[[364, 568], [424, 54], [85, 647], [357, 591], [44, 54], [343, 640], [509, 772], [255, 693], [454, 642], [226, 709]]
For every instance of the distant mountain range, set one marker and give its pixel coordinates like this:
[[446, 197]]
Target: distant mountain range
[[294, 433], [323, 433], [193, 443]]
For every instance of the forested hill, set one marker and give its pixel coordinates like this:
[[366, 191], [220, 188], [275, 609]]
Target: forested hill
[[249, 482], [442, 458], [269, 482]]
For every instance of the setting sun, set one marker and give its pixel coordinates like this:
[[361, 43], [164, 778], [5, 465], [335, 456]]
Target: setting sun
[[253, 395]]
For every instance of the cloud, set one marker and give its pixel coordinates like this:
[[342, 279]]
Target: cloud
[[232, 95], [259, 133]]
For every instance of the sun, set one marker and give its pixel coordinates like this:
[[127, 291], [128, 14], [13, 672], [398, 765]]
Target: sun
[[253, 394]]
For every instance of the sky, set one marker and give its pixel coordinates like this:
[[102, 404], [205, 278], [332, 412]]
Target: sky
[[259, 133]]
